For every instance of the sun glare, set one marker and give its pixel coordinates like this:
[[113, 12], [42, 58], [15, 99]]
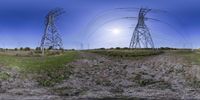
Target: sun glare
[[116, 31]]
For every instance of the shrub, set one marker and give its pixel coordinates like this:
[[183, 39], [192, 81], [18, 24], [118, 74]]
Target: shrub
[[21, 48], [37, 48], [16, 49], [50, 48], [111, 48], [4, 76], [27, 49], [125, 48], [102, 48], [118, 48]]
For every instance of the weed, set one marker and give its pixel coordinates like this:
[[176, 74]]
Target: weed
[[4, 76]]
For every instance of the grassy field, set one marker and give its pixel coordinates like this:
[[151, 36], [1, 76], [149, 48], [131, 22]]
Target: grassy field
[[127, 53], [191, 56], [49, 69]]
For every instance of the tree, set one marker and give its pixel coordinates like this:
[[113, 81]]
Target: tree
[[118, 48], [21, 48], [50, 48], [27, 49], [37, 48], [16, 49]]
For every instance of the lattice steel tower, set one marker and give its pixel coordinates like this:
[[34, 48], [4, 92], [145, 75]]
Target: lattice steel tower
[[51, 38], [141, 36]]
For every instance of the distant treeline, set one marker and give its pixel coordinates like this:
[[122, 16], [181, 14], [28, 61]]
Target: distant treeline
[[16, 49], [126, 48], [117, 48], [32, 49]]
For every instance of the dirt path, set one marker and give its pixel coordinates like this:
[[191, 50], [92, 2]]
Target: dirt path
[[158, 77]]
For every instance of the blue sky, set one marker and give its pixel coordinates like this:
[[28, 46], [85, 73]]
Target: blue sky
[[22, 22]]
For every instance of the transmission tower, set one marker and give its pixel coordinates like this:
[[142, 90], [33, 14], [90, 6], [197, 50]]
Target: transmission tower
[[51, 38], [141, 36]]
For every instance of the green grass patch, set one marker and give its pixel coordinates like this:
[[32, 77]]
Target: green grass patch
[[191, 56], [49, 69], [4, 76]]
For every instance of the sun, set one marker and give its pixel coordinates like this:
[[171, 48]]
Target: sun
[[116, 31]]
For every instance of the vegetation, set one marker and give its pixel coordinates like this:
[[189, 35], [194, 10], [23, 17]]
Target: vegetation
[[16, 49], [4, 76], [191, 56], [127, 53], [38, 49], [27, 49], [142, 81], [21, 48], [49, 69]]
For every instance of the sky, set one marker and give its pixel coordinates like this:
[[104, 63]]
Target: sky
[[95, 23]]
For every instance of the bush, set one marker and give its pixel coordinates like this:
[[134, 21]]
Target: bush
[[125, 48], [21, 48], [111, 48], [102, 49], [61, 49], [38, 49], [118, 48], [50, 48], [27, 49], [16, 49]]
